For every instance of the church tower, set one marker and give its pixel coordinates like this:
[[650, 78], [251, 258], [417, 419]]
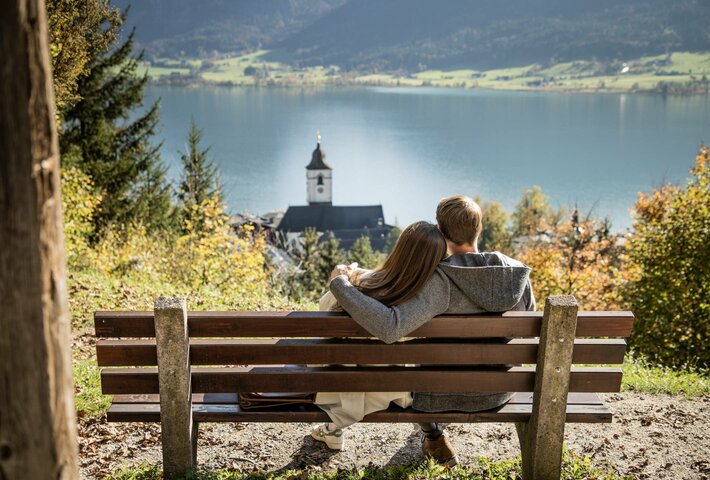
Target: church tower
[[319, 178]]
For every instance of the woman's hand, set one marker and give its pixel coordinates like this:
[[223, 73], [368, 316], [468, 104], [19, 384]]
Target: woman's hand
[[343, 270]]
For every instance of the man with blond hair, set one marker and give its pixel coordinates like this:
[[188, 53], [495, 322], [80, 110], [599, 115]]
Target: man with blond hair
[[467, 281]]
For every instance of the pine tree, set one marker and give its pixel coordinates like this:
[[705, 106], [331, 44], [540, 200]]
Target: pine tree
[[391, 240], [308, 282], [113, 150], [330, 255], [363, 254], [154, 199], [200, 177]]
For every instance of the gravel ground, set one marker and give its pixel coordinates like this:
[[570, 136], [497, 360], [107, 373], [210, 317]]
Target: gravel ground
[[653, 436]]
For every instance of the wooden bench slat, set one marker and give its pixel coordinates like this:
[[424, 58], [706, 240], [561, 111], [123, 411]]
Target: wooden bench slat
[[111, 353], [309, 413], [341, 379], [329, 324], [575, 398], [210, 398]]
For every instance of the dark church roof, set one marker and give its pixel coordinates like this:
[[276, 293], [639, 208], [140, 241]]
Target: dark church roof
[[326, 217], [347, 223], [318, 160]]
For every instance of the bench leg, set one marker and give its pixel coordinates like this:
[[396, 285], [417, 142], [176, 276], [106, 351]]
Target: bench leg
[[542, 436], [195, 431], [520, 429]]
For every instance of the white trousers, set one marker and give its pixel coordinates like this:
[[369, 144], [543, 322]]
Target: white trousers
[[346, 408]]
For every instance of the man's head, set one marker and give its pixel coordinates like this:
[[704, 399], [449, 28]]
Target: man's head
[[460, 220]]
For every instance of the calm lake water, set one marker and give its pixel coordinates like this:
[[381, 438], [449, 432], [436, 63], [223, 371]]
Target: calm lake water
[[407, 148]]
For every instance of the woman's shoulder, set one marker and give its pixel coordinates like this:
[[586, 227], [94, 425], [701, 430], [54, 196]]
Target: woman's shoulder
[[438, 283]]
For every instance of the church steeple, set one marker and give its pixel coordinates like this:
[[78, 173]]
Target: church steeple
[[319, 177]]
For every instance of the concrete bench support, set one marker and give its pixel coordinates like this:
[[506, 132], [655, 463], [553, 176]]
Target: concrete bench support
[[178, 431], [542, 436]]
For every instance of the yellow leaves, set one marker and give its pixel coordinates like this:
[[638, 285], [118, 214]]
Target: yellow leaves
[[79, 202], [578, 259], [214, 266], [669, 269]]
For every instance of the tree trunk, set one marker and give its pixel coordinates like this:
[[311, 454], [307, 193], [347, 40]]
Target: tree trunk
[[37, 419]]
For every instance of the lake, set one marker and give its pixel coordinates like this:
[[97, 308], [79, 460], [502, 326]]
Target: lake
[[407, 147]]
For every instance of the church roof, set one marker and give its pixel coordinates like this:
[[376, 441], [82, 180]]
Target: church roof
[[318, 160], [327, 217]]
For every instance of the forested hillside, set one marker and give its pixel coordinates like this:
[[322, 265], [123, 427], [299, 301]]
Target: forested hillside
[[420, 34], [412, 35], [198, 28]]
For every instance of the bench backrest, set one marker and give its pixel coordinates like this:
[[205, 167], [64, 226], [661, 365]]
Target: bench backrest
[[237, 351]]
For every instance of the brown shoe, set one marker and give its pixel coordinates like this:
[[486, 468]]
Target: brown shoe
[[440, 450]]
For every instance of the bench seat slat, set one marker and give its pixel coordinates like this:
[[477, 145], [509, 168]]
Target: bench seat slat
[[221, 398], [329, 324], [342, 379], [574, 398], [309, 413], [241, 352]]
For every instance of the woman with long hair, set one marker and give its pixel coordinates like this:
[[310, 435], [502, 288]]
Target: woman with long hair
[[413, 260]]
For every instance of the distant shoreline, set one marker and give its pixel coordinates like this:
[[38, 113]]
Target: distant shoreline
[[561, 90], [677, 73]]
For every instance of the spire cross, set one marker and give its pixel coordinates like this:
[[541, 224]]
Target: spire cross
[[318, 137]]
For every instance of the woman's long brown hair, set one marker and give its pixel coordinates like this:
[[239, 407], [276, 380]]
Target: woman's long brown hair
[[414, 258]]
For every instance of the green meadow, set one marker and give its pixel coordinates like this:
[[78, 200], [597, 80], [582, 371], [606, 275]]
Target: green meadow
[[642, 74]]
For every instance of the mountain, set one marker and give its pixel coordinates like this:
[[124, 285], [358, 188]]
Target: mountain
[[197, 28], [418, 34], [412, 35]]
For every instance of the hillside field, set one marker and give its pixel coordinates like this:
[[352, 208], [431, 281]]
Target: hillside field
[[643, 74]]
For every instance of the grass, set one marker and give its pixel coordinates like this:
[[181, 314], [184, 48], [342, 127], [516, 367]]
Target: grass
[[643, 74], [641, 377], [574, 467], [231, 70], [88, 400]]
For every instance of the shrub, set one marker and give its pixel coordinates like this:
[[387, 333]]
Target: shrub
[[669, 253], [211, 265], [79, 202], [495, 235], [580, 258]]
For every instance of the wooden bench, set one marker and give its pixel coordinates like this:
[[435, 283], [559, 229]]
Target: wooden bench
[[204, 358]]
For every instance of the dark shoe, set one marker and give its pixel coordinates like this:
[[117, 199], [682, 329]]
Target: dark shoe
[[440, 450]]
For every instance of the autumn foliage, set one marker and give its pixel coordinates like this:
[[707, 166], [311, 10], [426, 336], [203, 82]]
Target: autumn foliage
[[211, 265], [580, 258], [669, 269]]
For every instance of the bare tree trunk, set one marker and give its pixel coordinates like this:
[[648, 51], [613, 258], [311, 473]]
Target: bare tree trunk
[[37, 418]]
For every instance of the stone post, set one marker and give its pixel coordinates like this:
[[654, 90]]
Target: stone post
[[175, 391], [542, 436]]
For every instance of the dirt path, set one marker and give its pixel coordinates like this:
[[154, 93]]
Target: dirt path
[[652, 437]]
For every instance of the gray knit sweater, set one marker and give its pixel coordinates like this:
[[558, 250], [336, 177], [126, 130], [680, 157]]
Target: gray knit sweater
[[463, 283]]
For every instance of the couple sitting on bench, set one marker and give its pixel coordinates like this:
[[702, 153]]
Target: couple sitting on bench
[[417, 282]]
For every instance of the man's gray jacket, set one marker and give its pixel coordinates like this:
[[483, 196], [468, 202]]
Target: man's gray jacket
[[463, 283]]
